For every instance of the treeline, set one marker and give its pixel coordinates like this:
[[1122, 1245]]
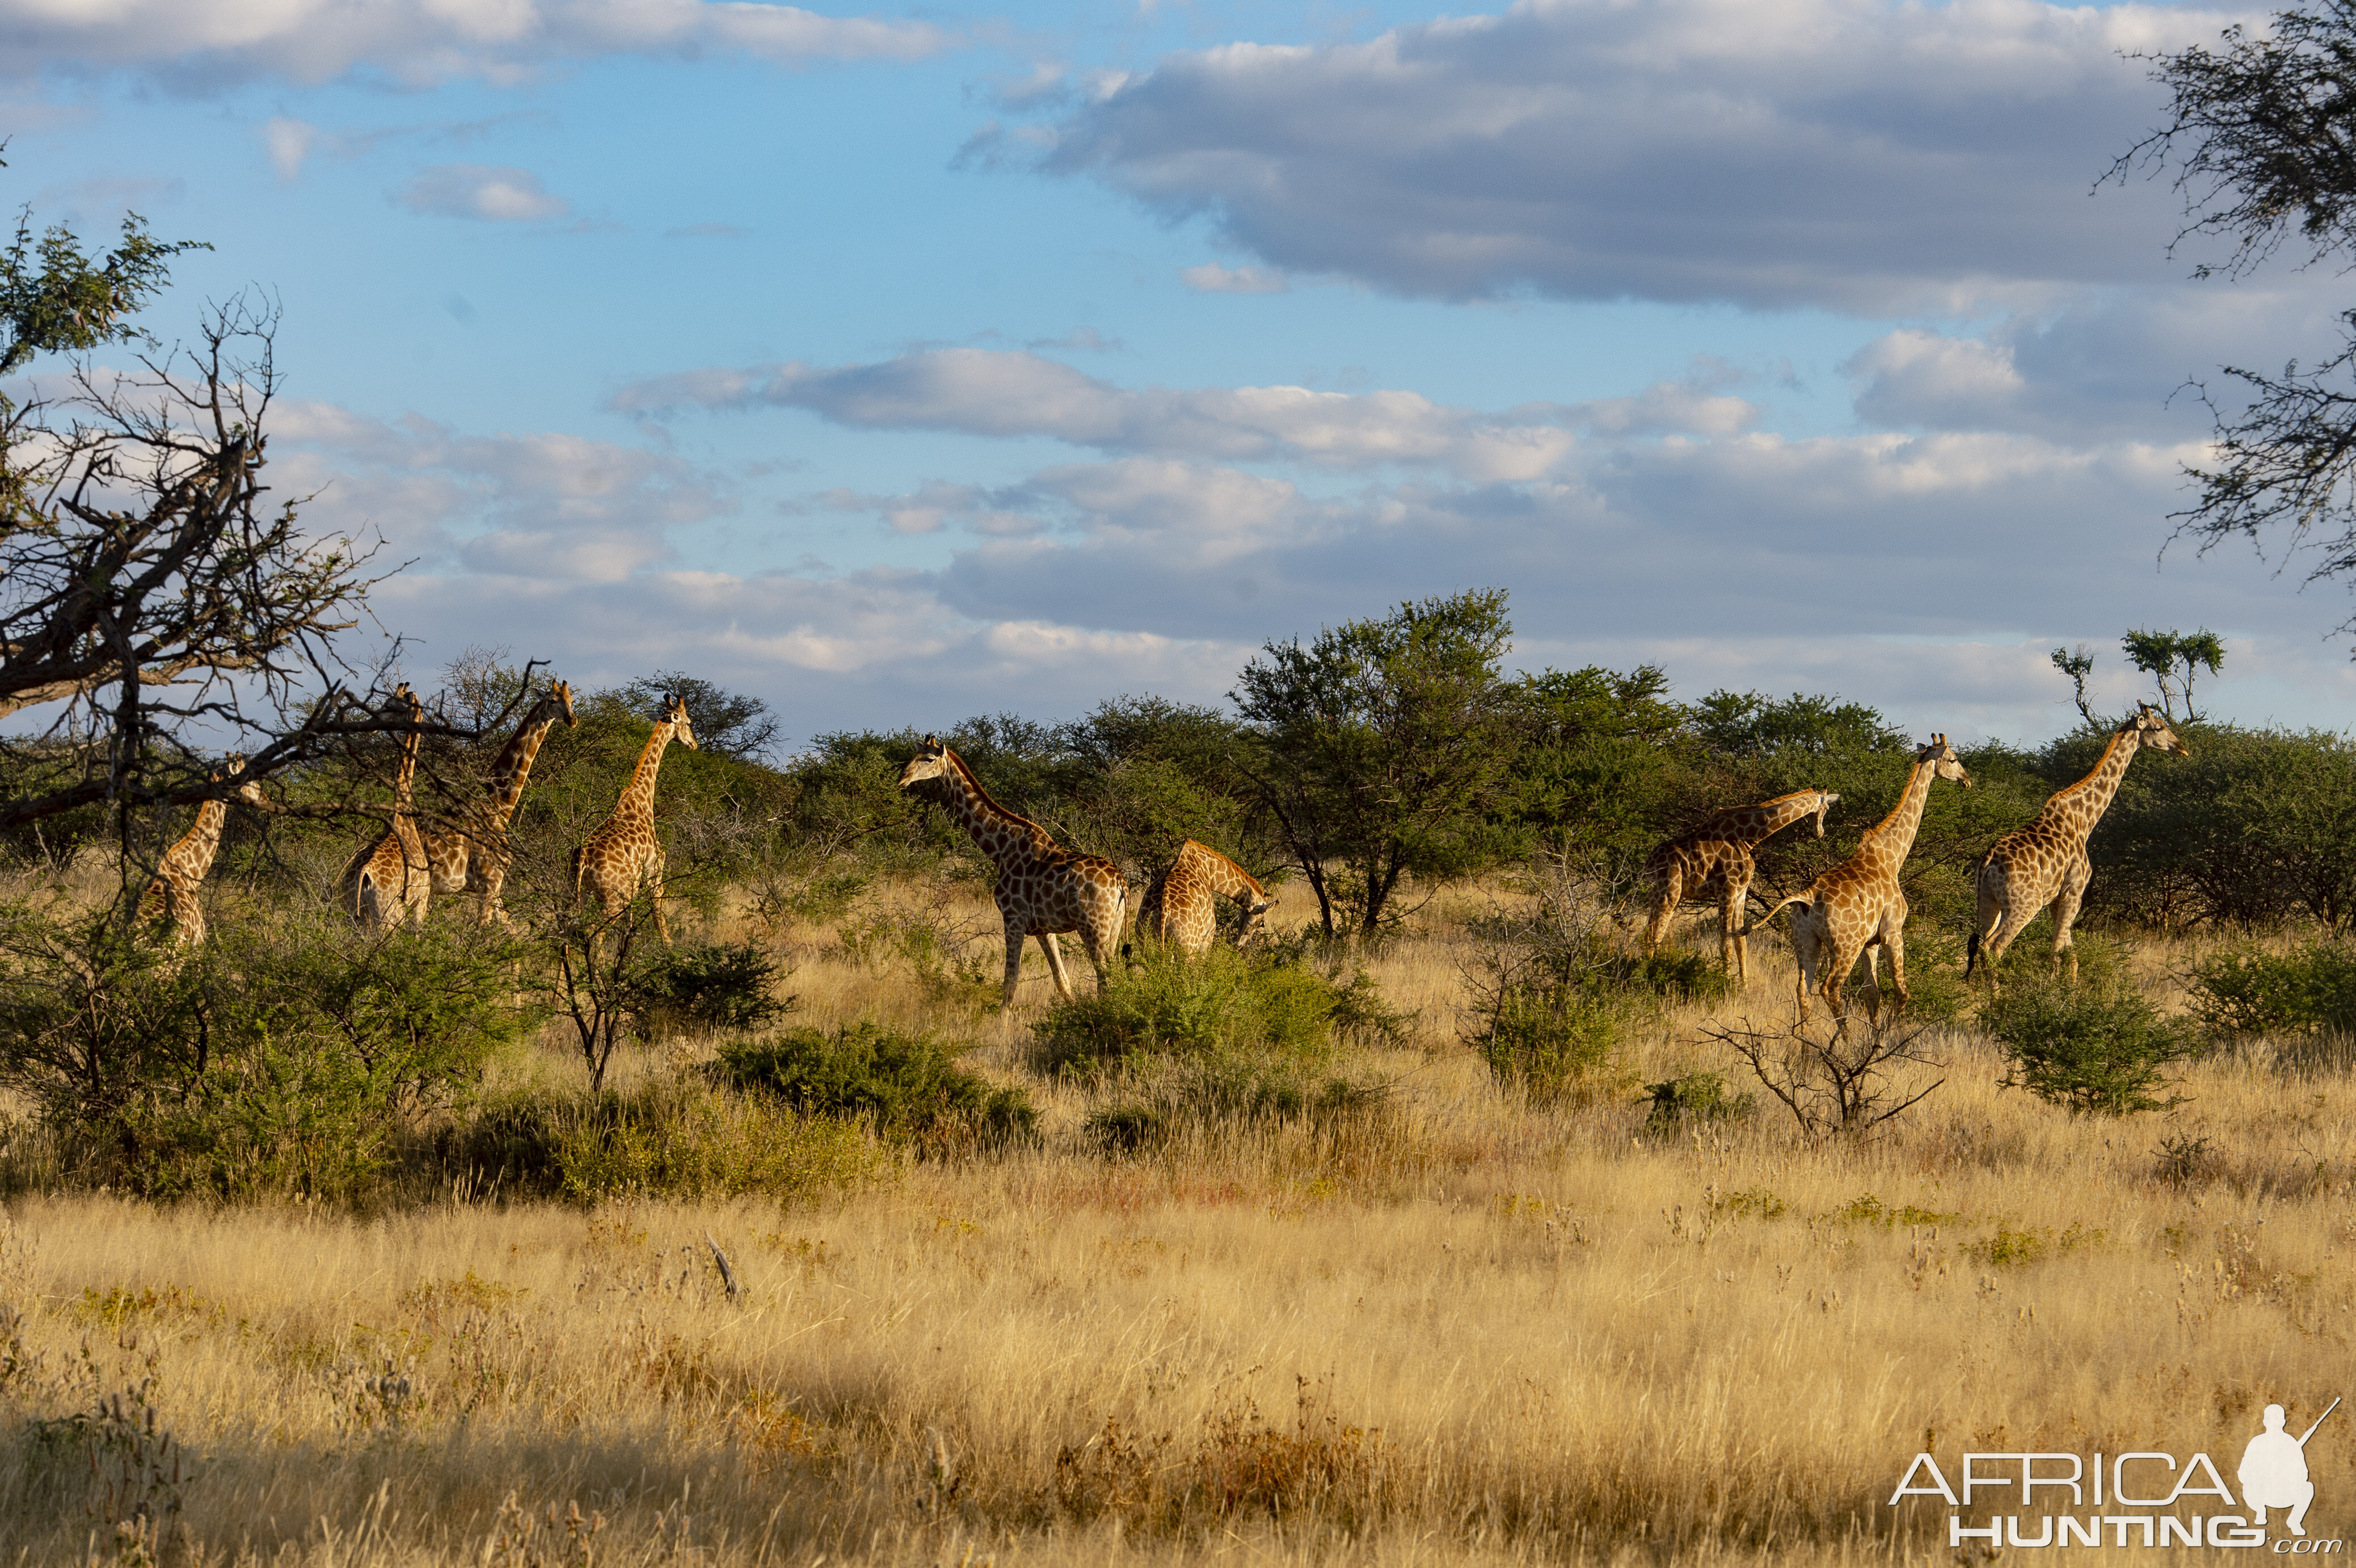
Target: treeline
[[1366, 766]]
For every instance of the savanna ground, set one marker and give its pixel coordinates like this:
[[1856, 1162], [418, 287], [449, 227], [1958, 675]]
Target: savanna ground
[[1458, 1327]]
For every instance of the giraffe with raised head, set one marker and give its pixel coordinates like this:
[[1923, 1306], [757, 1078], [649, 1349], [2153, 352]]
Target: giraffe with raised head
[[1043, 887], [175, 892], [1857, 906], [472, 855], [1178, 907], [1712, 863], [624, 853], [387, 884], [2045, 863]]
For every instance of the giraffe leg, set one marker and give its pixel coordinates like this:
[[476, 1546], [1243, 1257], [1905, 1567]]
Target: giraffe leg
[[654, 865], [1871, 987], [1013, 960], [1734, 953], [2065, 913], [1895, 943], [1056, 963], [1664, 906]]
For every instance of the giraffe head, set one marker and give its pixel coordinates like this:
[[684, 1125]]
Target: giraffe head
[[675, 715], [2151, 728], [561, 693], [1256, 908], [1938, 751], [250, 791], [1825, 802], [931, 761]]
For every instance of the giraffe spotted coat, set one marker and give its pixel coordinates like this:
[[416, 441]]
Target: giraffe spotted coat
[[1179, 907], [387, 882], [1712, 863], [1857, 906], [175, 892], [1042, 888], [472, 855], [2045, 863], [624, 853]]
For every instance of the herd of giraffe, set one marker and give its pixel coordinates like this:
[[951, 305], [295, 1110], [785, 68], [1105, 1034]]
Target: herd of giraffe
[[1855, 910]]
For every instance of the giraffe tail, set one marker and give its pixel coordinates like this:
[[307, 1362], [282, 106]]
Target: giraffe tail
[[1771, 914], [1972, 952]]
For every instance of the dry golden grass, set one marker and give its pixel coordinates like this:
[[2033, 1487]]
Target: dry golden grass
[[1464, 1331]]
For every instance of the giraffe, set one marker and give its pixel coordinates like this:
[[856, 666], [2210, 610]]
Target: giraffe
[[2045, 863], [1177, 908], [386, 883], [175, 892], [1713, 860], [472, 855], [624, 851], [1043, 887], [1857, 906]]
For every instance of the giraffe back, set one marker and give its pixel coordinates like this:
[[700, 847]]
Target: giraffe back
[[1180, 908]]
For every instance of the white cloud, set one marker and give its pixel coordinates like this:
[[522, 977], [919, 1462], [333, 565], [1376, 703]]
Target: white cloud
[[493, 192], [990, 392], [289, 143], [1212, 278], [1854, 154], [199, 46]]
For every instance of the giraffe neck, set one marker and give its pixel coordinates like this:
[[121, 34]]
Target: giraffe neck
[[513, 768], [193, 855], [1895, 832], [405, 781], [1008, 839], [2081, 805], [639, 800], [1228, 879], [1772, 817]]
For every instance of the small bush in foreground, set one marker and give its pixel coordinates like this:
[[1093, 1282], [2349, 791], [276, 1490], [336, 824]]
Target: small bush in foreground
[[1696, 1096], [906, 1087], [2099, 1049], [1223, 1002], [712, 987], [1553, 1044]]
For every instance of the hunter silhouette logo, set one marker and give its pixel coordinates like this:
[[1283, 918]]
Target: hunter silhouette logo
[[2141, 1497], [2274, 1471]]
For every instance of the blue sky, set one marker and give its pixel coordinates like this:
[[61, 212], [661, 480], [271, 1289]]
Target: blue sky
[[899, 366]]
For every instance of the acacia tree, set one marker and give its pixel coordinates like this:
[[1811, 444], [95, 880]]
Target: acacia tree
[[1382, 748], [2262, 132], [2172, 659]]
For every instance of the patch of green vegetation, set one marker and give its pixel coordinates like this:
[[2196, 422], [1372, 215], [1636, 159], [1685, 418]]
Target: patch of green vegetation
[[1753, 1203], [1868, 1210], [1696, 1096], [2098, 1047], [906, 1088]]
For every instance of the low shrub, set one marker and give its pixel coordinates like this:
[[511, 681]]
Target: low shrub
[[2099, 1048], [1552, 1043], [682, 1138], [288, 1059], [907, 1088], [1698, 1097], [711, 986], [1222, 1002], [2251, 993]]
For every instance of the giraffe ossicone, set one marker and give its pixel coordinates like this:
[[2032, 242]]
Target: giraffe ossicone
[[1042, 888], [1179, 907], [1858, 907], [1712, 862], [2046, 861]]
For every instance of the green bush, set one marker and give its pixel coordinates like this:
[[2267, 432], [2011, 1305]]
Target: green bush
[[2250, 993], [1552, 1044], [906, 1087], [711, 986], [683, 1138], [288, 1059], [2098, 1047], [1696, 1096], [1224, 1001]]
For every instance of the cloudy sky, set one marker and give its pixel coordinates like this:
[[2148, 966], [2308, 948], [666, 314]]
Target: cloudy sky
[[898, 366]]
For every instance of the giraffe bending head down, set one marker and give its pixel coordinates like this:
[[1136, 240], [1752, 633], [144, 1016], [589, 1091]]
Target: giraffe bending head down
[[472, 855], [175, 892], [387, 882], [2045, 863], [1043, 887], [624, 853], [1857, 906], [1712, 863], [1178, 907]]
